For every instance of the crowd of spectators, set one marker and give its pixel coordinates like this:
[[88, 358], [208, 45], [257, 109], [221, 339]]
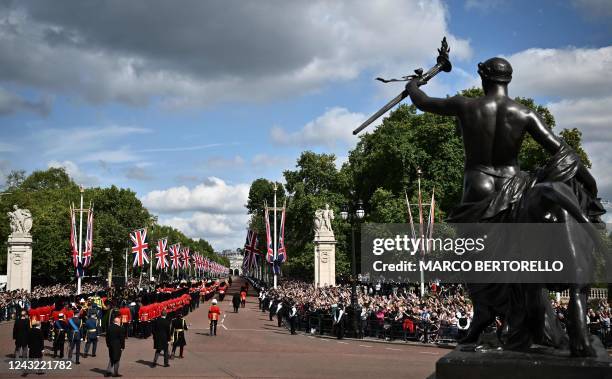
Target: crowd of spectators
[[397, 311], [386, 310]]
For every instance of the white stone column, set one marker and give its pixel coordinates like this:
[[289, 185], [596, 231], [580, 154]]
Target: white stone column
[[324, 249], [19, 262]]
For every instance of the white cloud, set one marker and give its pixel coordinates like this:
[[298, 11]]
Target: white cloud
[[212, 196], [83, 139], [224, 162], [120, 155], [11, 103], [594, 8], [206, 53], [222, 231], [592, 116], [73, 170], [333, 127], [562, 73]]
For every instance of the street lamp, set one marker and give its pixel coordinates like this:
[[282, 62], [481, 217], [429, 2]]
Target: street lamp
[[346, 216]]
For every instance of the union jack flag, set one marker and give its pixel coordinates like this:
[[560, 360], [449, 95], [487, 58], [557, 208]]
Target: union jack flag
[[73, 239], [139, 238], [175, 256], [186, 257], [270, 249], [162, 253], [88, 253], [282, 251], [250, 251]]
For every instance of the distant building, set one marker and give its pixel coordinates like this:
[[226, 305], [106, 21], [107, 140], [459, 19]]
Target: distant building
[[235, 258]]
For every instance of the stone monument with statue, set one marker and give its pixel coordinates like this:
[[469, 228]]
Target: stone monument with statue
[[325, 248], [19, 262]]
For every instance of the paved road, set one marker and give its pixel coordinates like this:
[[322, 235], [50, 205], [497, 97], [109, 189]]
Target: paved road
[[248, 345]]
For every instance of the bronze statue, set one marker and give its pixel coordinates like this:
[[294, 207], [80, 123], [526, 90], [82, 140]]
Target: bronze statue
[[493, 128]]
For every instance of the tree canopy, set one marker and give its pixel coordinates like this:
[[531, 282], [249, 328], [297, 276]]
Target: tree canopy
[[48, 195], [381, 171]]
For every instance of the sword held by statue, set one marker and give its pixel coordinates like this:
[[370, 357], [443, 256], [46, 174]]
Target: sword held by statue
[[442, 64]]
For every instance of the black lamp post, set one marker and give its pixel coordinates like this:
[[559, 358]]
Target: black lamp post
[[359, 214]]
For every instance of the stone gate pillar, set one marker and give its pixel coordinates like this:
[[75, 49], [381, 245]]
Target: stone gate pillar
[[325, 248]]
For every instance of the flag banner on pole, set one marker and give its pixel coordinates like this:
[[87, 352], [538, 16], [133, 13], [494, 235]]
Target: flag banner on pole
[[79, 271], [250, 251], [281, 256], [162, 253], [139, 239], [186, 256], [430, 221], [73, 239], [88, 253], [270, 249], [175, 256]]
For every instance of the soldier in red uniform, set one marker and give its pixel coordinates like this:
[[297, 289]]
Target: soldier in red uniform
[[214, 313]]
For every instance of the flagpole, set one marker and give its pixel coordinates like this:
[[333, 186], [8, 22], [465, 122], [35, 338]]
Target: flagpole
[[421, 233], [275, 242], [126, 267], [80, 241]]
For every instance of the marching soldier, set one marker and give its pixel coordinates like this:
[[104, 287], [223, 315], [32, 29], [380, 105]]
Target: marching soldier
[[213, 315], [161, 337], [91, 328], [243, 296], [74, 336], [60, 336], [272, 307], [236, 302], [179, 326]]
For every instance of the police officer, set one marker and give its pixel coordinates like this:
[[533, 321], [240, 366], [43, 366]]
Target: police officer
[[178, 328], [91, 333], [339, 321], [293, 317]]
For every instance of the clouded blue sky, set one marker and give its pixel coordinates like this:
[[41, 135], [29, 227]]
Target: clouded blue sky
[[188, 104]]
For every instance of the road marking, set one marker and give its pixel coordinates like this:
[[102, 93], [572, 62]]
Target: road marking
[[224, 327], [390, 348], [365, 345], [344, 343], [429, 352]]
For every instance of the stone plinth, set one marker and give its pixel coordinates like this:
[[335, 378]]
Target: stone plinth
[[19, 262], [325, 260], [524, 365]]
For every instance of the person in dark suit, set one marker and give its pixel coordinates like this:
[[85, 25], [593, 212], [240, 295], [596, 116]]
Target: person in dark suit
[[236, 302], [161, 338], [115, 341], [21, 328], [36, 344]]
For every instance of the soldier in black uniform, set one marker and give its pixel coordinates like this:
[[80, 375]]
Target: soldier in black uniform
[[161, 337], [272, 308], [115, 341], [21, 328], [236, 302], [178, 328]]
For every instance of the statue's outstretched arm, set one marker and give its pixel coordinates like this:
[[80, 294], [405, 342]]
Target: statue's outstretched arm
[[551, 143], [446, 107]]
